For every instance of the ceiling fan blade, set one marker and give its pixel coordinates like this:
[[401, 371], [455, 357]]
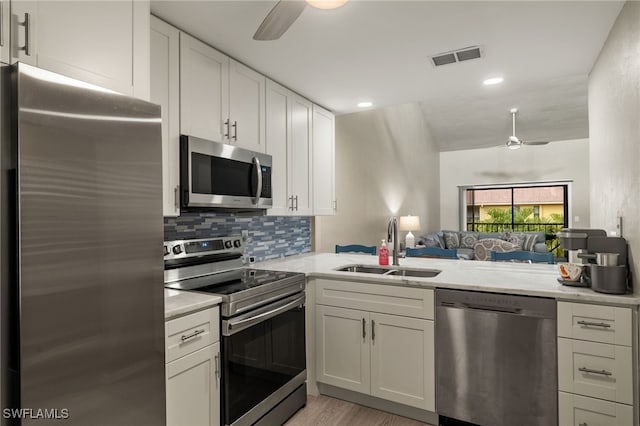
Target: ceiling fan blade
[[279, 19], [535, 142]]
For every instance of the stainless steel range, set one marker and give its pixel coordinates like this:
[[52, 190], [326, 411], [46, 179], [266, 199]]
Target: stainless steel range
[[263, 327]]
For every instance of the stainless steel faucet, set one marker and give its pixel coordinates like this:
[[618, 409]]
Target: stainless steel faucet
[[392, 235]]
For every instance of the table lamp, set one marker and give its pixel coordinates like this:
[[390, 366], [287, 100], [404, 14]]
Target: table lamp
[[410, 223]]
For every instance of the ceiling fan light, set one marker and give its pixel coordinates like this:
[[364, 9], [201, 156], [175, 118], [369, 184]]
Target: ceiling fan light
[[326, 4]]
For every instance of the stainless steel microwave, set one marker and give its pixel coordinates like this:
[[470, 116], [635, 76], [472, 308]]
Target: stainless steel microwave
[[214, 175]]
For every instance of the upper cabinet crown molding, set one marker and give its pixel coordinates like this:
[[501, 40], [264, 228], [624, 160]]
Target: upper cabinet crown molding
[[105, 43]]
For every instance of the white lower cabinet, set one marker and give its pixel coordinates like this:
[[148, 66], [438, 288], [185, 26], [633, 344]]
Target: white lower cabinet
[[595, 365], [193, 369], [576, 410], [193, 388], [387, 356]]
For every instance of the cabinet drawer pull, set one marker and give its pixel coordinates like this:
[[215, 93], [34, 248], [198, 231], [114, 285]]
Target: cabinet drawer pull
[[601, 372], [191, 336], [594, 324]]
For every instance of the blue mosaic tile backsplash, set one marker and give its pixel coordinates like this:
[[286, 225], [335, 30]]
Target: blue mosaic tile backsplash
[[270, 237]]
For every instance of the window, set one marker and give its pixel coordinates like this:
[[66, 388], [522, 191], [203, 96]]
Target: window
[[517, 208]]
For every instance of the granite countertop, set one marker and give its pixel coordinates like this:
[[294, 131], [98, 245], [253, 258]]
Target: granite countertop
[[178, 303], [497, 277]]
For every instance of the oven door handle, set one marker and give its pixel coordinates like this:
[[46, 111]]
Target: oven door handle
[[233, 326]]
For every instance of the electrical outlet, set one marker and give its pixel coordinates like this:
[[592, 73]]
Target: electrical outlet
[[252, 259], [245, 235]]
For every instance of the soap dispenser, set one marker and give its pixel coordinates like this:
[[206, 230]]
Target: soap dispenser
[[383, 254]]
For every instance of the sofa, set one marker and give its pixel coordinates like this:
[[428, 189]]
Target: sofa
[[478, 245]]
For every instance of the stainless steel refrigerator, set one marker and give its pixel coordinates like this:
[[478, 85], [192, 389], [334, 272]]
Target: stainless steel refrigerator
[[81, 247]]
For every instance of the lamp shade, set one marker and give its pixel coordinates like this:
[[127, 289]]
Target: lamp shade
[[409, 223]]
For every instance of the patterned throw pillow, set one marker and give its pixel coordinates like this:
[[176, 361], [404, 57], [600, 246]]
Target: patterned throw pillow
[[468, 239], [517, 238], [530, 241], [452, 239], [483, 248]]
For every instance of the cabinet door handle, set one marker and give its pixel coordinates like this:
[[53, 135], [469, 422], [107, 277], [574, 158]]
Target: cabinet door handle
[[291, 203], [235, 130], [192, 335], [218, 366], [226, 124], [601, 372], [594, 324], [2, 22], [373, 331], [176, 197], [364, 329], [27, 36], [296, 203]]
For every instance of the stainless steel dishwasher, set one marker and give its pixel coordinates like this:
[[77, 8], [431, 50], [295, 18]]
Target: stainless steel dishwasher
[[496, 359]]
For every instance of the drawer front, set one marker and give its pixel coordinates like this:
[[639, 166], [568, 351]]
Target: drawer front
[[595, 323], [576, 410], [595, 369], [385, 299], [191, 332]]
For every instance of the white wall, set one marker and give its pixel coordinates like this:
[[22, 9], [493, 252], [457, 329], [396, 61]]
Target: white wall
[[557, 161], [386, 162], [614, 129]]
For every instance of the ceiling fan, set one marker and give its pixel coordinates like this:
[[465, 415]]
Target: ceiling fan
[[285, 13], [513, 142]]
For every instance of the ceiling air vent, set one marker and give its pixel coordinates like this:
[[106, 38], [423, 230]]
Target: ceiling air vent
[[459, 55]]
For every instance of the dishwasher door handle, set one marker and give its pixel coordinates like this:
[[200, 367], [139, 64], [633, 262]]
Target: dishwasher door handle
[[499, 309]]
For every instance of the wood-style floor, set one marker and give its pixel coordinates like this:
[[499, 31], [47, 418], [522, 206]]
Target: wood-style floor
[[324, 411]]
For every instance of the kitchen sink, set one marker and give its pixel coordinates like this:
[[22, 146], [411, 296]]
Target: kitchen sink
[[365, 269], [423, 273], [385, 270]]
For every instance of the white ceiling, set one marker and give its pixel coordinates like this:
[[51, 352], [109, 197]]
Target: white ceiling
[[379, 51]]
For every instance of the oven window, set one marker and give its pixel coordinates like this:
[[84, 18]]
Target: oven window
[[260, 359], [221, 176]]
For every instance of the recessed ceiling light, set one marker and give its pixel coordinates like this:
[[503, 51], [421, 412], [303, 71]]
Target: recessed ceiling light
[[492, 81], [366, 104]]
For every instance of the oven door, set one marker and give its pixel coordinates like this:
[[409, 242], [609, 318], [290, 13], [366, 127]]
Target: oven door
[[218, 175], [263, 359]]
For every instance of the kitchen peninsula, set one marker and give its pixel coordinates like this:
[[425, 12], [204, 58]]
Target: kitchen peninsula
[[394, 343]]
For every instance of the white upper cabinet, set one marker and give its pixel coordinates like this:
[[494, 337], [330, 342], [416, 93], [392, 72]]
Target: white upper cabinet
[[165, 91], [220, 99], [324, 187], [246, 107], [105, 43], [5, 45], [204, 90], [278, 120], [300, 161], [288, 141]]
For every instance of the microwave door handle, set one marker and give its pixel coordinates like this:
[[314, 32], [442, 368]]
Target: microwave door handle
[[256, 162]]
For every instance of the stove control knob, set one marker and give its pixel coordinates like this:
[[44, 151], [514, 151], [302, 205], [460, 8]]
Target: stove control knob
[[166, 250], [227, 244], [177, 249], [237, 243]]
